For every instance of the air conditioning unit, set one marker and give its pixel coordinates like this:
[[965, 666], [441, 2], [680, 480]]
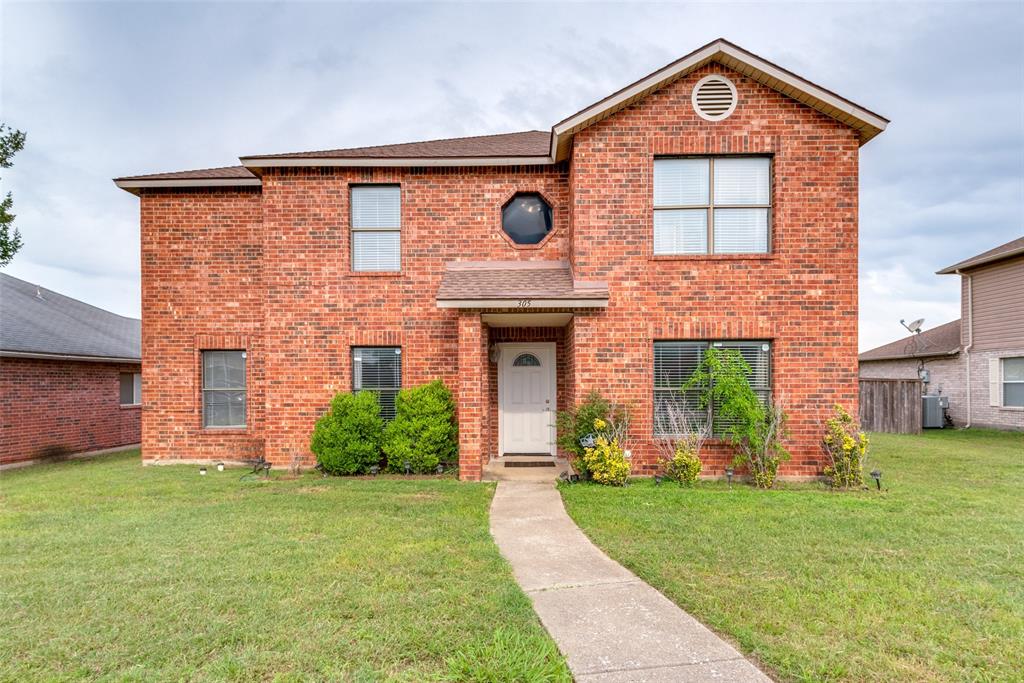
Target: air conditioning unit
[[932, 415]]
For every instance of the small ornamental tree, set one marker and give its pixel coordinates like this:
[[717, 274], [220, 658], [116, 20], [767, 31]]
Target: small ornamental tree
[[754, 428], [424, 432], [346, 440], [846, 447]]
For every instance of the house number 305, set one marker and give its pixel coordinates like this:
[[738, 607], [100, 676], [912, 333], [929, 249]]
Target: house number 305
[[525, 303]]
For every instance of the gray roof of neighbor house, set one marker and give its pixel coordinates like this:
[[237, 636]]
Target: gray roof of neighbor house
[[1003, 251], [38, 322], [943, 340], [532, 146]]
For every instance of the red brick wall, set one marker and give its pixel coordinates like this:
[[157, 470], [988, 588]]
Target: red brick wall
[[202, 288], [270, 269], [49, 406], [802, 297]]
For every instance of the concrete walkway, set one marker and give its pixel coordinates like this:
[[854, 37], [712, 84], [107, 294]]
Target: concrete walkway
[[611, 626]]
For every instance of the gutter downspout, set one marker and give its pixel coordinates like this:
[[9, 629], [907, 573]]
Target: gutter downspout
[[970, 340]]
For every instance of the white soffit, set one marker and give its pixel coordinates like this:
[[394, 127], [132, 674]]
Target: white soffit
[[526, 319]]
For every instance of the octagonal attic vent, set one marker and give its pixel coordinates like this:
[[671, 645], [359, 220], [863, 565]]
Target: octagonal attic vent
[[714, 97]]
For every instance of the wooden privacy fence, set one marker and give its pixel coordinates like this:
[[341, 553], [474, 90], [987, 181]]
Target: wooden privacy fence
[[891, 405]]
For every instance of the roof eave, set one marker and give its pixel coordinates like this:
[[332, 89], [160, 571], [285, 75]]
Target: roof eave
[[967, 265], [37, 355], [257, 164], [136, 186]]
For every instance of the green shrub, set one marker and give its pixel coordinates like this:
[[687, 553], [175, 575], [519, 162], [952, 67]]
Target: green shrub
[[846, 447], [346, 440], [424, 432], [575, 425], [755, 428], [605, 461], [684, 466]]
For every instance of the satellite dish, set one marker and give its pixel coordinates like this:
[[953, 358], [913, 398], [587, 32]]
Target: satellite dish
[[915, 326]]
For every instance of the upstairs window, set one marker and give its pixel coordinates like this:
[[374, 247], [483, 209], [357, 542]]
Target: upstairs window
[[712, 205], [378, 369], [224, 388], [674, 364], [376, 227], [526, 218], [131, 388]]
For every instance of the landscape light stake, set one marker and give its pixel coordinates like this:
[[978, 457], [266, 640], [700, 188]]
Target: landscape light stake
[[440, 468], [877, 476], [728, 475], [408, 468], [374, 469], [220, 467], [657, 480], [266, 470], [202, 470]]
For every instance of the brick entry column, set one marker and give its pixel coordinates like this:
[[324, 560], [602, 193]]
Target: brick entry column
[[471, 397]]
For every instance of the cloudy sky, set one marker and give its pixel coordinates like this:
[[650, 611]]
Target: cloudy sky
[[110, 89]]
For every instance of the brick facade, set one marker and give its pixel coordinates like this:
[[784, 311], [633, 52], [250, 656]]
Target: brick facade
[[267, 269], [55, 407]]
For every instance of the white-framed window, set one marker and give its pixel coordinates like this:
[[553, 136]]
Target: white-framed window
[[1011, 378], [376, 222], [378, 369], [676, 361], [224, 388], [712, 205], [131, 388]]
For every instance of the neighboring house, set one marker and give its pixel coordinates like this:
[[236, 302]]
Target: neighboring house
[[984, 350], [70, 375], [713, 202]]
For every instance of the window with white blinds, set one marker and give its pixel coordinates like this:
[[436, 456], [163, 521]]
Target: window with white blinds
[[712, 205], [676, 361], [224, 388], [378, 369], [376, 227]]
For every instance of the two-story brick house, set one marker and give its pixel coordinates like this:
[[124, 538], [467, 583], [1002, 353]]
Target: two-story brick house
[[712, 202]]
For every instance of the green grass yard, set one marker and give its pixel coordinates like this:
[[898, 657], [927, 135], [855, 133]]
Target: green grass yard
[[112, 571], [923, 582]]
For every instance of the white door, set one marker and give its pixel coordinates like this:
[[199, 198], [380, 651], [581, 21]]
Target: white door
[[526, 398]]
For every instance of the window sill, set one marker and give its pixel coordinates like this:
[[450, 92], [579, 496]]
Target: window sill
[[375, 273], [130, 406], [1012, 409], [713, 257], [225, 430]]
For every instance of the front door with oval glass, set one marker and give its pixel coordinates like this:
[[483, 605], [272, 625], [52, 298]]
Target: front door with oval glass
[[526, 398]]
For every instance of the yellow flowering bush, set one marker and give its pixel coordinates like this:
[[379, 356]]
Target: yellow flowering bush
[[684, 466], [847, 449], [605, 460]]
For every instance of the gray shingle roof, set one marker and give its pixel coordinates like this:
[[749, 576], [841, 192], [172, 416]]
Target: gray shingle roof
[[1003, 251], [37, 320], [943, 340]]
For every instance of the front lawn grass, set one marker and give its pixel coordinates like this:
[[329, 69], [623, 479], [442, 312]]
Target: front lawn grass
[[112, 571], [922, 582]]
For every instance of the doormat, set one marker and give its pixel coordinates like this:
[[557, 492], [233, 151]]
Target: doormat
[[526, 455], [529, 464]]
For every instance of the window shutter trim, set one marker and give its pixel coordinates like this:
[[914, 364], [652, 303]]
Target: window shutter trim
[[995, 384]]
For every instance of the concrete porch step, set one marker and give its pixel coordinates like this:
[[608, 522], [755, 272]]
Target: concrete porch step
[[524, 468]]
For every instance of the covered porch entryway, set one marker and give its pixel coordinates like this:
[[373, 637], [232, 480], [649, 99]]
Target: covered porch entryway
[[517, 361]]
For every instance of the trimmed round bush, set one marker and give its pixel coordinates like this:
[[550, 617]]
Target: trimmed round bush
[[423, 432], [347, 439]]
